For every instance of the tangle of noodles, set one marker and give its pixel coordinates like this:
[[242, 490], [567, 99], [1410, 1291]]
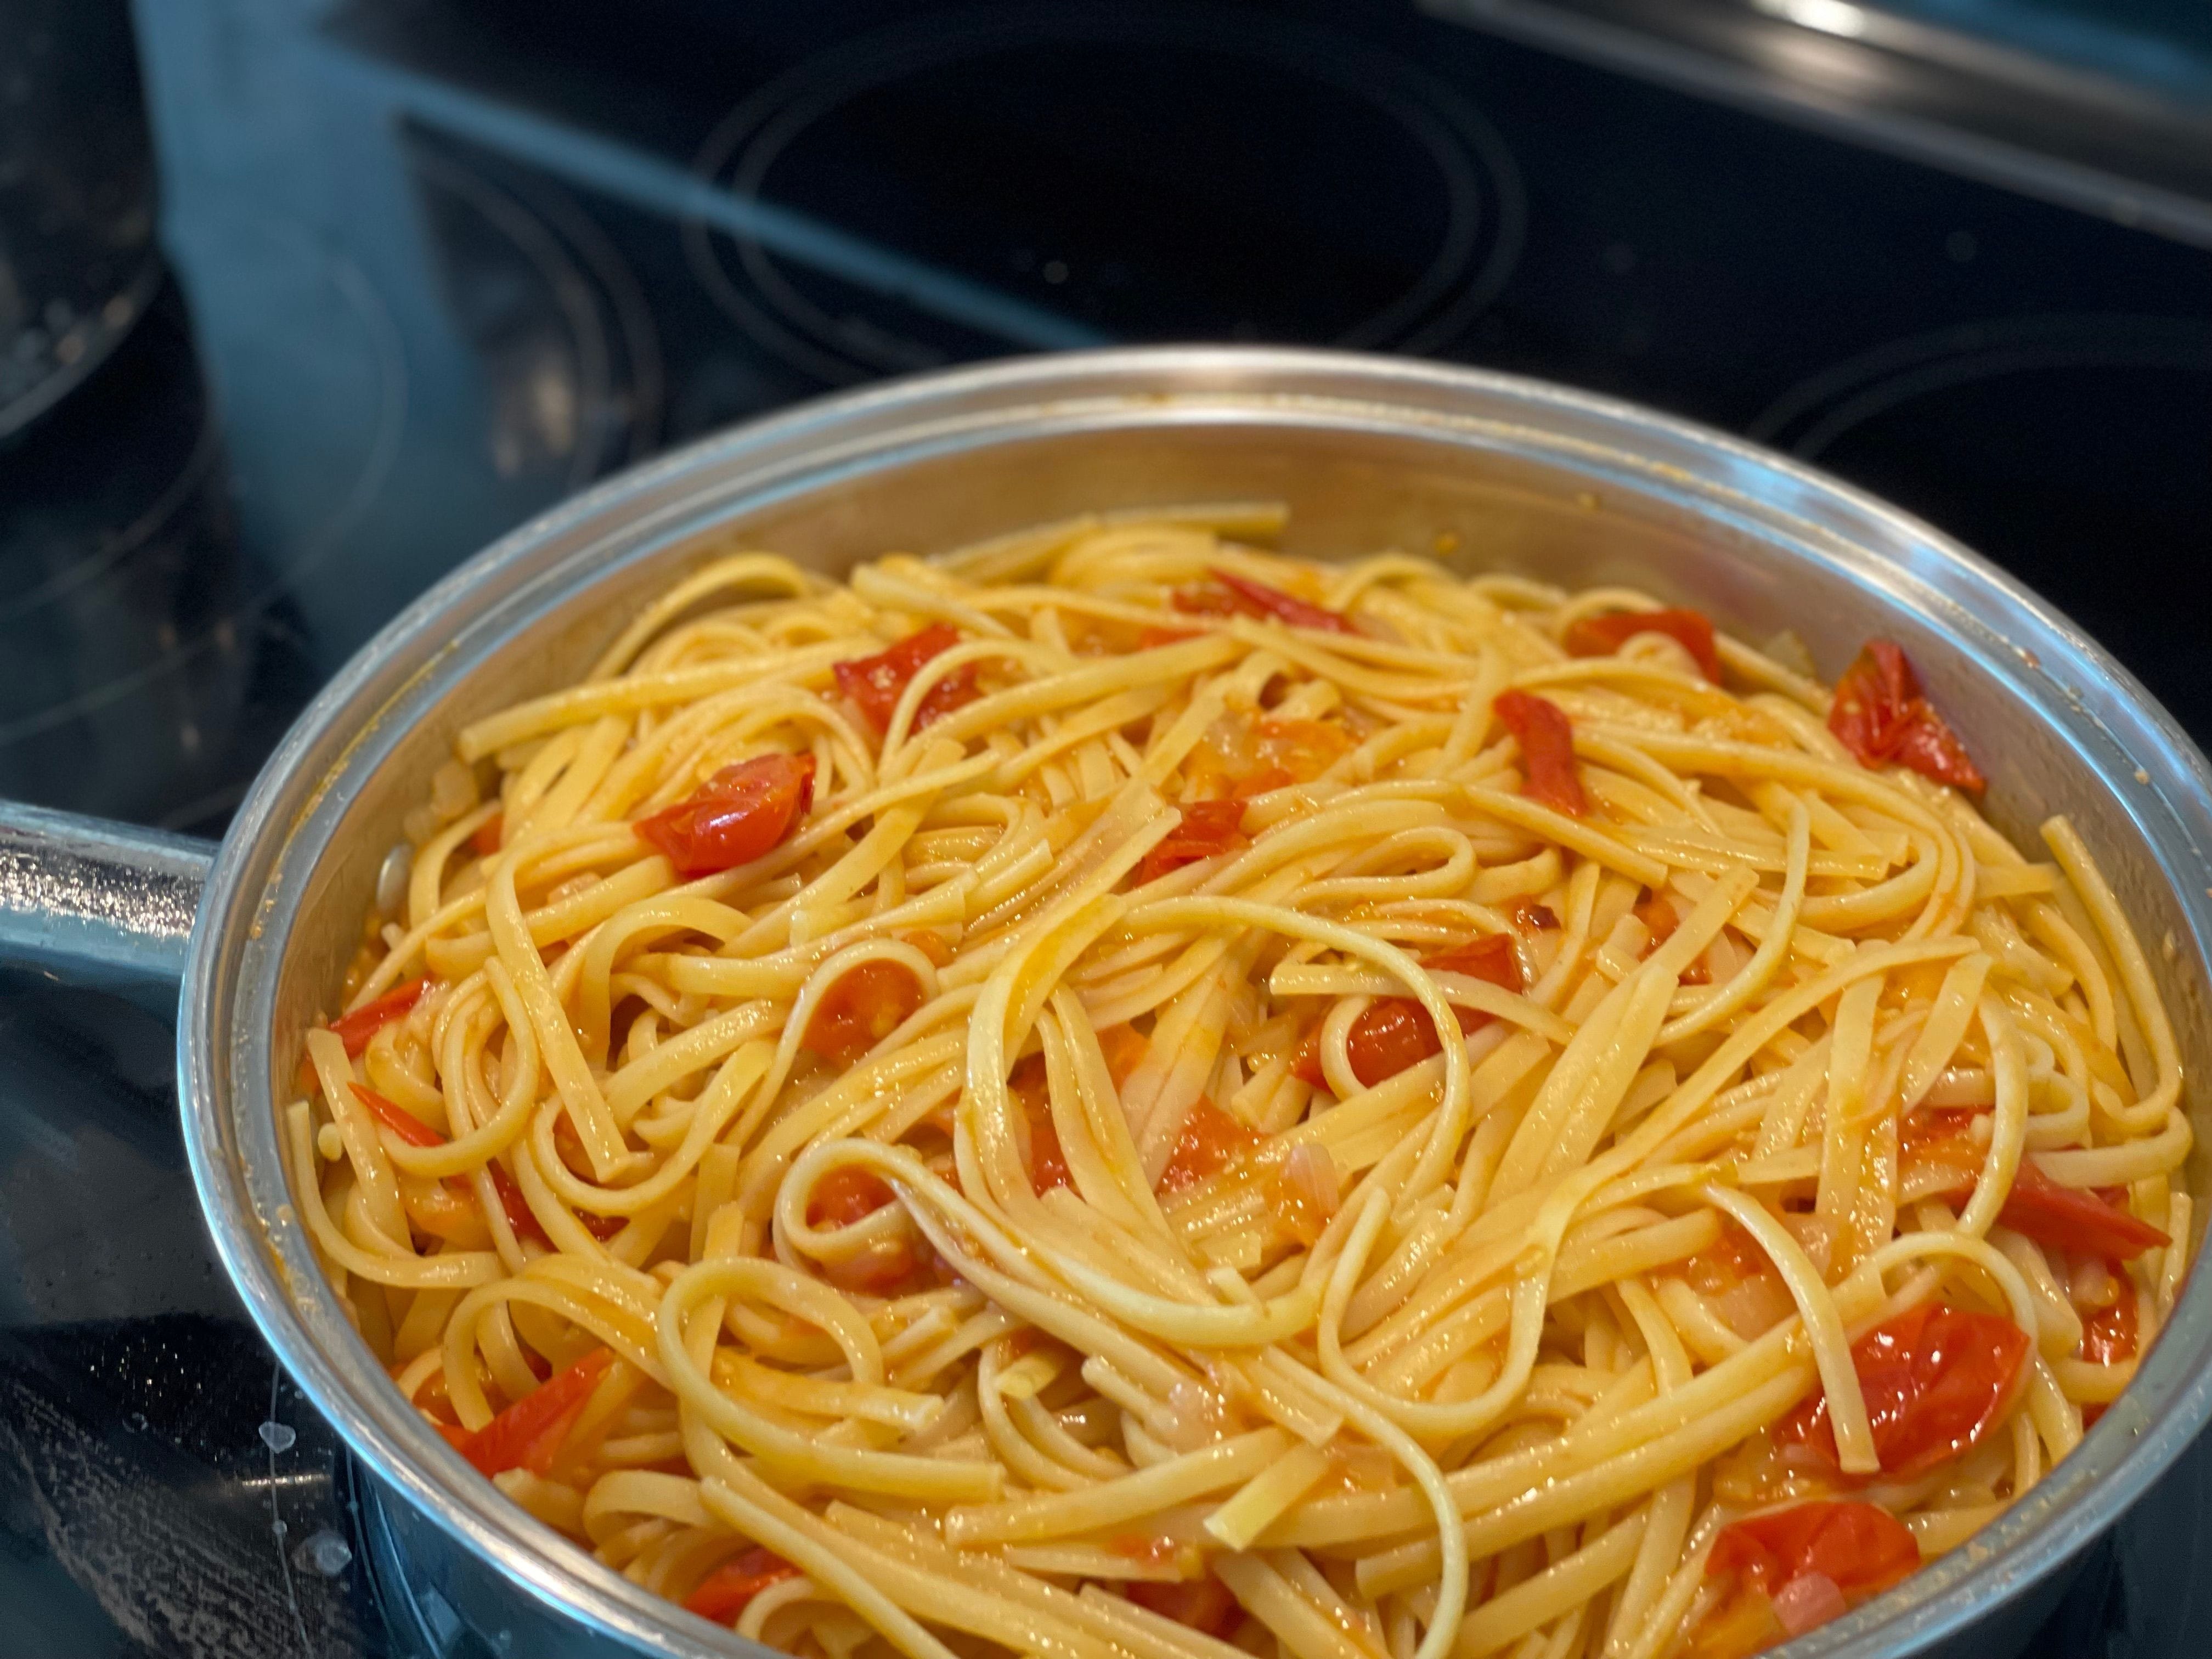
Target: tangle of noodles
[[1207, 1128]]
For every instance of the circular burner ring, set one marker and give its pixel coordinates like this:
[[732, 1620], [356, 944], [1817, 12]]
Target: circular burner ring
[[1461, 278]]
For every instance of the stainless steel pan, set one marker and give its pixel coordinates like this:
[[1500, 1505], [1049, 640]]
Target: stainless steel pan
[[1488, 471]]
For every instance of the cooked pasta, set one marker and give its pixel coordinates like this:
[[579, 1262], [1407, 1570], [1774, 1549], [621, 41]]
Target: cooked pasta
[[1116, 1093]]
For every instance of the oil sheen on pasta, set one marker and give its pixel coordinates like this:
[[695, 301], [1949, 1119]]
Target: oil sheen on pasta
[[1236, 1104]]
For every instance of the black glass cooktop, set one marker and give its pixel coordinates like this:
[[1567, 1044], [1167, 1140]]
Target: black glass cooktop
[[433, 267]]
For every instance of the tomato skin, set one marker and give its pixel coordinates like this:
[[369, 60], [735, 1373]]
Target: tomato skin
[[1880, 715], [521, 1220], [355, 1030], [1935, 1380], [1208, 827], [1201, 1604], [528, 1434], [876, 683], [1602, 636], [1862, 1548], [397, 1118], [2037, 1207], [1210, 1142], [1258, 600], [2067, 1218], [486, 839], [724, 1592], [1548, 750], [864, 1005], [741, 812]]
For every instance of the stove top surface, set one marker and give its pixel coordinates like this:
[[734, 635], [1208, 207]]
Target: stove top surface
[[434, 269]]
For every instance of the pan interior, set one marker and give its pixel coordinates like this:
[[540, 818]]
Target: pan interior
[[1481, 473]]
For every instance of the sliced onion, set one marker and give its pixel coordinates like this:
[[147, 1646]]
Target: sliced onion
[[1310, 1190], [1751, 1307], [1808, 1600]]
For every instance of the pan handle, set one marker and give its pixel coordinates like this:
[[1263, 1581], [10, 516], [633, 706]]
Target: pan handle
[[97, 902]]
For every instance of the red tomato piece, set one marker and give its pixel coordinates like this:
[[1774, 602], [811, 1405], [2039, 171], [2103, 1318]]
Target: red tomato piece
[[1210, 1142], [1154, 637], [2111, 1335], [1935, 1380], [355, 1030], [1548, 750], [1392, 1033], [878, 683], [521, 1220], [528, 1434], [847, 1194], [1861, 1548], [1880, 715], [1531, 917], [1208, 827], [1258, 600], [2062, 1218], [397, 1119], [486, 840], [866, 1005], [724, 1593], [1601, 636], [1200, 1604], [736, 816], [2067, 1218], [1047, 1166]]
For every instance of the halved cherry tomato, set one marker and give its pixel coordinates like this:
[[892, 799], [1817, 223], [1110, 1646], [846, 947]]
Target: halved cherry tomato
[[2062, 1218], [397, 1118], [1548, 750], [724, 1593], [1601, 636], [1208, 827], [1210, 1142], [486, 839], [1935, 1378], [864, 1005], [355, 1030], [528, 1434], [1258, 600], [1862, 1548], [878, 683], [1880, 715], [736, 816], [1200, 1604], [2111, 1335], [1394, 1032]]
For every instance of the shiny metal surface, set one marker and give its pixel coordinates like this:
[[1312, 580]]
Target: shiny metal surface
[[1489, 471], [109, 903]]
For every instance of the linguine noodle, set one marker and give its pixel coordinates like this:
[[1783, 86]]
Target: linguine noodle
[[1196, 1122]]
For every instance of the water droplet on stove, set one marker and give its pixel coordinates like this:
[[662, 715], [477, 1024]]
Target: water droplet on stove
[[278, 1527], [277, 1436], [323, 1553]]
